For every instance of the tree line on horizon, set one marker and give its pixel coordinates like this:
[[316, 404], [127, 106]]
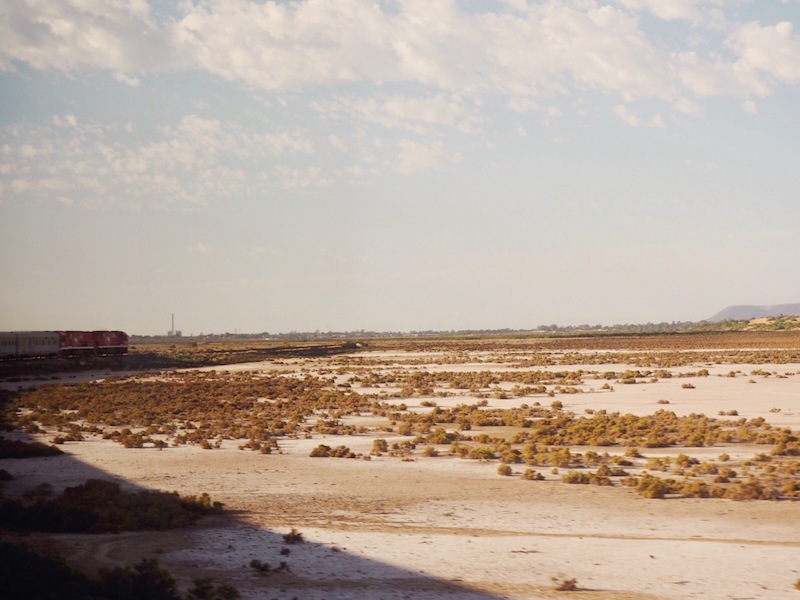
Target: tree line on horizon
[[773, 323]]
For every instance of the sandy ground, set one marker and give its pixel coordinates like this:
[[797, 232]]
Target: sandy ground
[[435, 528]]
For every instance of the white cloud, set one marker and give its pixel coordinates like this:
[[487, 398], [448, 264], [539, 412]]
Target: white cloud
[[94, 163], [286, 46], [414, 157], [28, 151], [554, 111], [119, 36], [522, 50], [416, 113], [337, 142], [627, 116], [630, 118], [426, 70], [767, 54], [292, 178], [689, 10], [286, 142], [656, 121], [65, 121], [521, 104]]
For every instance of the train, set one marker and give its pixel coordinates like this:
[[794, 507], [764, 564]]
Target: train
[[61, 344]]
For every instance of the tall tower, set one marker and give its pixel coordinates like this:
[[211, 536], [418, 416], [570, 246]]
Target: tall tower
[[174, 332]]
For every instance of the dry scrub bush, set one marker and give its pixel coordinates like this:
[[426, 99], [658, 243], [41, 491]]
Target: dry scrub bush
[[324, 451], [230, 406], [266, 568], [564, 584], [531, 475], [379, 446], [206, 408], [293, 537]]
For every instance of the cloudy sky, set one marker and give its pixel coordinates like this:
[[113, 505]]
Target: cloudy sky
[[395, 165]]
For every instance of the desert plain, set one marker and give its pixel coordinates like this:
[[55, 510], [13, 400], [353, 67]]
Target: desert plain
[[425, 471]]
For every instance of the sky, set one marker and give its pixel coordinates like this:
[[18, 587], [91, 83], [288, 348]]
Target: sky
[[395, 165]]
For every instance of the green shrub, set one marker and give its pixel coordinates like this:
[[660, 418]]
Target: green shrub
[[146, 579], [26, 574], [99, 506], [20, 449]]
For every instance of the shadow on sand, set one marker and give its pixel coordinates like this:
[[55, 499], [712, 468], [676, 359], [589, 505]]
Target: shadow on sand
[[224, 547]]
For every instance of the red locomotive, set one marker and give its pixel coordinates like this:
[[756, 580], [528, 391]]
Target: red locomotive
[[110, 342], [39, 344]]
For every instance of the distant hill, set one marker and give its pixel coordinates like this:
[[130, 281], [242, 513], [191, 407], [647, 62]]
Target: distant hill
[[746, 311]]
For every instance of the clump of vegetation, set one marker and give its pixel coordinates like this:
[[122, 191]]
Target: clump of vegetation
[[267, 569], [531, 475], [430, 452], [99, 506], [293, 537], [26, 574], [564, 584], [19, 449], [504, 470], [379, 446], [262, 407], [324, 451]]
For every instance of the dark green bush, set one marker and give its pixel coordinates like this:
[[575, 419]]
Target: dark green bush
[[26, 574], [99, 506], [20, 449]]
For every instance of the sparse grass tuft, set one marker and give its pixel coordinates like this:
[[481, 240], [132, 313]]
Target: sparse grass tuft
[[293, 537]]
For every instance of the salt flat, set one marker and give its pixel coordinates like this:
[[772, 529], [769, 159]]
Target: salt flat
[[443, 527]]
